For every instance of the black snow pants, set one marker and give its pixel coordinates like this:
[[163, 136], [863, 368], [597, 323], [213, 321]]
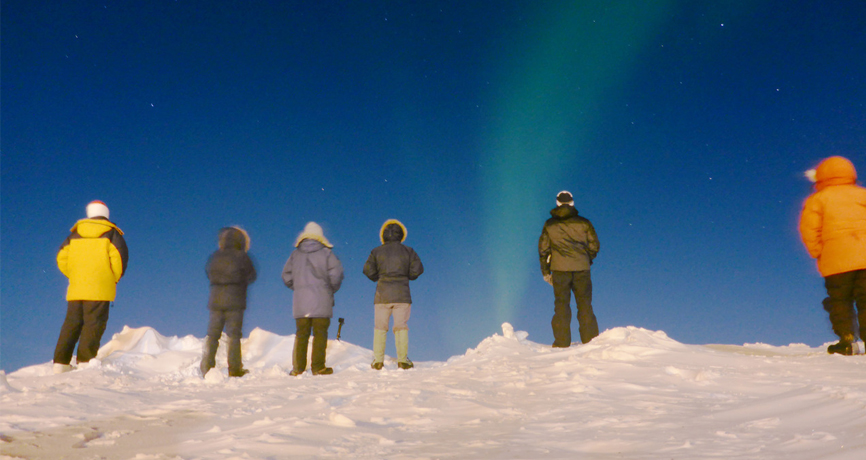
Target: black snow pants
[[843, 291], [319, 328], [233, 322], [564, 283], [85, 320]]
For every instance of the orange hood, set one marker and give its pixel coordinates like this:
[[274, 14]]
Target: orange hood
[[834, 171]]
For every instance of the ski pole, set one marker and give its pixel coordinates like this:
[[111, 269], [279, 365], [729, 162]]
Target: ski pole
[[340, 327]]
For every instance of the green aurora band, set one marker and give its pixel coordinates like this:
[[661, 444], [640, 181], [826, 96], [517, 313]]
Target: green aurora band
[[548, 103]]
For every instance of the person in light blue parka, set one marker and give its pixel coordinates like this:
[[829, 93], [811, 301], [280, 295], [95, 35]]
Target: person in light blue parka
[[314, 273]]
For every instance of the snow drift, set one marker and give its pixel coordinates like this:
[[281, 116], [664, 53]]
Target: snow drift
[[630, 393]]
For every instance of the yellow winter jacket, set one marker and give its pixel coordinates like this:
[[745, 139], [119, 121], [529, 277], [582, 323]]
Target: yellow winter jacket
[[833, 220], [94, 258]]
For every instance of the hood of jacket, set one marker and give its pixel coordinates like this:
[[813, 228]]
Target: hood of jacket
[[563, 212], [313, 231], [91, 228], [392, 230], [234, 238], [310, 245], [834, 171]]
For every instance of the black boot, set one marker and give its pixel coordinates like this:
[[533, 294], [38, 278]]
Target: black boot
[[845, 346]]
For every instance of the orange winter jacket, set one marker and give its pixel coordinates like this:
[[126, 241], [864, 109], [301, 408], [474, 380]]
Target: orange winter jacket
[[93, 257], [833, 220]]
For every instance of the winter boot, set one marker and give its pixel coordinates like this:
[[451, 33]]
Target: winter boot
[[845, 346], [401, 340], [236, 367], [238, 372], [380, 338], [323, 371], [208, 355], [61, 368]]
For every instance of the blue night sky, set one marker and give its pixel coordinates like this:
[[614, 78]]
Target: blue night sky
[[681, 127]]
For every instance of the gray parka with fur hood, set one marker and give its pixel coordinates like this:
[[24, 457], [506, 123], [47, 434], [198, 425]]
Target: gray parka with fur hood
[[314, 273]]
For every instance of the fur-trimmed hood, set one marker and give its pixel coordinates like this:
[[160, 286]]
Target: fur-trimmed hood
[[313, 231], [234, 238], [392, 230]]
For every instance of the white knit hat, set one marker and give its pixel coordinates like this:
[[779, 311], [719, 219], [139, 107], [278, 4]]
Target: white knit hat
[[97, 208]]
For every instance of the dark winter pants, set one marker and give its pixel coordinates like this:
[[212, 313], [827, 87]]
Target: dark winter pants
[[233, 322], [843, 291], [319, 327], [85, 320], [564, 283]]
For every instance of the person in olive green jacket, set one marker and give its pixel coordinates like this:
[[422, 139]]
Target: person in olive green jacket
[[94, 258], [566, 249]]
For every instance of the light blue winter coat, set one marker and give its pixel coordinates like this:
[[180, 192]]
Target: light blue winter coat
[[314, 273]]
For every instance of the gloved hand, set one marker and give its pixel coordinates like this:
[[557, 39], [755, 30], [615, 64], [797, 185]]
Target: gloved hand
[[548, 278]]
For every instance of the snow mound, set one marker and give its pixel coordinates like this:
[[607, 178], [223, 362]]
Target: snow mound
[[144, 352], [622, 343], [629, 393], [4, 384]]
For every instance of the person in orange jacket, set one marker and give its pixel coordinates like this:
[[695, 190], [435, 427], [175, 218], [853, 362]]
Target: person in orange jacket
[[94, 258], [833, 229]]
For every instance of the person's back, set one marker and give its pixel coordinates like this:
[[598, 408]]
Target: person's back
[[833, 222], [566, 248], [572, 240], [230, 271], [94, 258], [392, 265], [314, 273], [833, 229]]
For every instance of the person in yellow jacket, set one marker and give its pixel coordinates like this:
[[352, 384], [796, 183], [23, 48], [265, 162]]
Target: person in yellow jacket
[[94, 258], [833, 229]]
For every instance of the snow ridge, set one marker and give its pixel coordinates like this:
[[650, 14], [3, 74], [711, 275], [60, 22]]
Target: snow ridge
[[630, 393]]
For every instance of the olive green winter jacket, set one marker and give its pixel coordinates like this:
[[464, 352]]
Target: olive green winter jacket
[[568, 242]]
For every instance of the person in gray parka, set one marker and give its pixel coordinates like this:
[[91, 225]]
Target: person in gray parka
[[314, 273], [392, 265], [230, 270]]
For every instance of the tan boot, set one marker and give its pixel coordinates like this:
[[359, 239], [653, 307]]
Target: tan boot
[[380, 338], [401, 340]]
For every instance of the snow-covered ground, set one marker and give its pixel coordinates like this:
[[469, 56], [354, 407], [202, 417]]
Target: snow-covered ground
[[631, 393]]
